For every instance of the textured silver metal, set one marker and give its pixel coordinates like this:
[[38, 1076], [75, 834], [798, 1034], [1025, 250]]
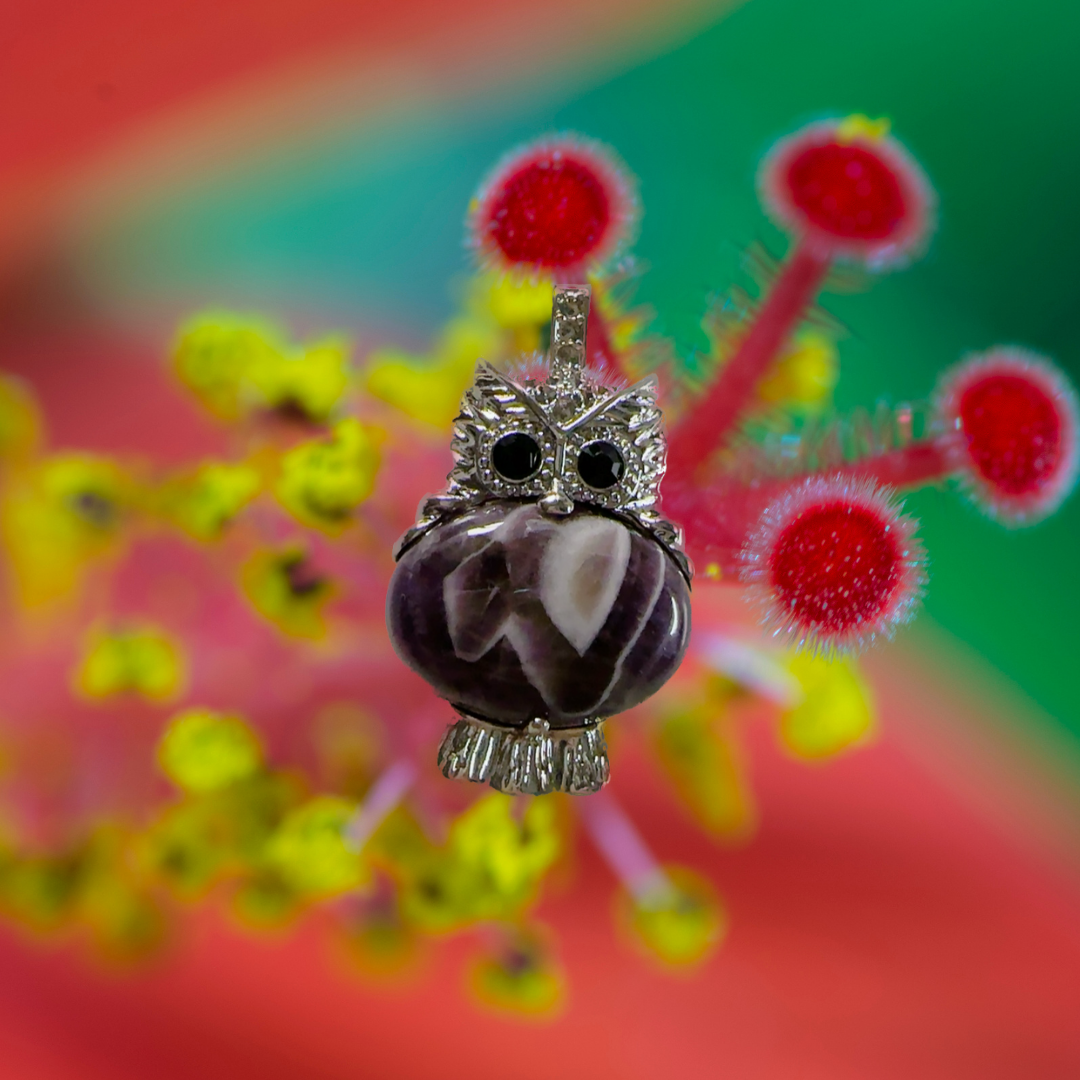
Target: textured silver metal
[[563, 414], [534, 760], [569, 324]]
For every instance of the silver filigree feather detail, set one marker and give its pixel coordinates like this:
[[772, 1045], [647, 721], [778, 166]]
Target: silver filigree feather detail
[[563, 414]]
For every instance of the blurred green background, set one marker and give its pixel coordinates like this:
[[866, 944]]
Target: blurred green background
[[364, 230]]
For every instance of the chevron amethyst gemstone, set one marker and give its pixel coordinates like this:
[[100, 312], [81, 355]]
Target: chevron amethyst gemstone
[[513, 616]]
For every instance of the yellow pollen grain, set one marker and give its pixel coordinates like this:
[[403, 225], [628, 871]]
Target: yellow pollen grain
[[859, 128]]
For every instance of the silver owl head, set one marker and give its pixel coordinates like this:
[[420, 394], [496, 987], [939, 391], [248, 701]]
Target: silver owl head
[[565, 439], [561, 437]]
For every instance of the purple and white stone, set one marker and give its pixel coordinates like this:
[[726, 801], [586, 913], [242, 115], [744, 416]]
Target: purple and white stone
[[512, 615]]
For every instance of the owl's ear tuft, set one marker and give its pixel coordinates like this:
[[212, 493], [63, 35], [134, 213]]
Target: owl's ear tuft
[[532, 367], [602, 374]]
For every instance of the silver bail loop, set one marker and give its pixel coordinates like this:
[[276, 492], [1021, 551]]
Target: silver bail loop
[[569, 324]]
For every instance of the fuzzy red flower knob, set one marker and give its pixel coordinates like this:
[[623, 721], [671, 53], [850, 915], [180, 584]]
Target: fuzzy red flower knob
[[849, 191], [834, 564], [561, 205], [1016, 420]]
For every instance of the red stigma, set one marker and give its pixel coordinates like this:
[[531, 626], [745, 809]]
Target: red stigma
[[550, 213], [835, 567], [1013, 432], [557, 205], [1016, 420], [847, 191], [833, 562], [860, 198]]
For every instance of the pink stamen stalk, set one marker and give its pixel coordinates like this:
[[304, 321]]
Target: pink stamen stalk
[[383, 797], [716, 519], [927, 461], [715, 416], [625, 851]]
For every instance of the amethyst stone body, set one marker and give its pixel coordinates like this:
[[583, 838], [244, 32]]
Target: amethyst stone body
[[512, 615]]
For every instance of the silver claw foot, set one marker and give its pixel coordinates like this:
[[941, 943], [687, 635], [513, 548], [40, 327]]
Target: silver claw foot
[[533, 760]]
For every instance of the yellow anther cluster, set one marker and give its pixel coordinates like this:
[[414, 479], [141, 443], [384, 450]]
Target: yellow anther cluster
[[489, 868], [312, 380], [310, 849], [835, 711], [699, 751], [215, 354], [235, 365], [20, 426], [429, 388], [284, 588], [323, 481], [204, 751], [680, 921], [143, 661], [518, 976], [89, 491], [59, 514], [379, 939], [90, 887], [506, 853], [222, 833], [521, 306], [805, 376], [860, 128], [204, 503], [111, 901]]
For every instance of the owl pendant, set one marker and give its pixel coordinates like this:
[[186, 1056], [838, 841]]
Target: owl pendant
[[542, 592]]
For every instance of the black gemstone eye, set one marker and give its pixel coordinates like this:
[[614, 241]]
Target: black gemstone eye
[[600, 465], [516, 456]]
